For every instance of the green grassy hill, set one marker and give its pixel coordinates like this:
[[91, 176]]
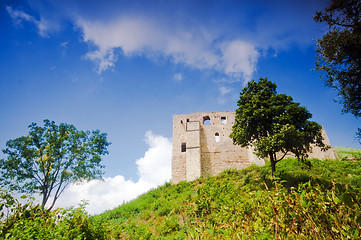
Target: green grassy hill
[[307, 200], [344, 152], [313, 200]]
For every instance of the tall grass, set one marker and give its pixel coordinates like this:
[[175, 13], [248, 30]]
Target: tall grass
[[312, 200], [306, 200]]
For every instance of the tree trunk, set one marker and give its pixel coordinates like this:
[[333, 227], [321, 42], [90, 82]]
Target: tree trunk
[[273, 163], [45, 199]]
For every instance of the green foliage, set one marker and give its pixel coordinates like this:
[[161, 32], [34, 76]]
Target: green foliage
[[273, 123], [50, 158], [307, 200], [345, 172], [339, 51], [29, 221]]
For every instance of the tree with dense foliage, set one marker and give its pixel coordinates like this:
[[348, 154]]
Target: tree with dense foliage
[[49, 158], [273, 123], [339, 52]]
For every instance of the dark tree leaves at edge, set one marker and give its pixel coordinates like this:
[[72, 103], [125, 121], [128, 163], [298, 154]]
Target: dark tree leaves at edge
[[339, 53]]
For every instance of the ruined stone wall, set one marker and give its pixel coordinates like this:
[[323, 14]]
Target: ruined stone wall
[[208, 148], [316, 151], [202, 146]]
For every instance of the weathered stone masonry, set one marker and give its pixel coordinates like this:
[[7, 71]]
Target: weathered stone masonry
[[202, 146]]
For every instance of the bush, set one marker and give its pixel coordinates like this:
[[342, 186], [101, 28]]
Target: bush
[[30, 221]]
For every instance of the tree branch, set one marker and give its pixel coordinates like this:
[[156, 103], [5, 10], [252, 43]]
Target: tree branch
[[284, 154], [58, 192]]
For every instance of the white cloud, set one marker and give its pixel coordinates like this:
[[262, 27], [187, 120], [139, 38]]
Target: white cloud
[[196, 48], [178, 77], [154, 169], [64, 44], [239, 58], [230, 44], [19, 16], [155, 166], [224, 90], [103, 58]]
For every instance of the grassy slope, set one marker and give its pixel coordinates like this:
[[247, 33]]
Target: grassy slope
[[304, 203], [344, 152]]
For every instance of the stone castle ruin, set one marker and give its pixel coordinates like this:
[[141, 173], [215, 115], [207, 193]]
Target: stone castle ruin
[[202, 146]]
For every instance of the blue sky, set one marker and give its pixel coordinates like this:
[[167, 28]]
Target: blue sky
[[125, 67]]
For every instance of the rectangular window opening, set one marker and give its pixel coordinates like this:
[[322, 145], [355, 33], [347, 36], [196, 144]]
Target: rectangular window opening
[[223, 120], [184, 147]]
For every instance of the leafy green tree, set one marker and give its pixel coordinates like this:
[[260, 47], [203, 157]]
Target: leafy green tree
[[273, 123], [339, 52], [49, 158]]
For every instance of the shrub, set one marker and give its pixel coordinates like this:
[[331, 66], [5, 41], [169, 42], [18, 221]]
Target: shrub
[[30, 221]]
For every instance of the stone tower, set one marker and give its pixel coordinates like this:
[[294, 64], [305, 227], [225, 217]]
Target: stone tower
[[202, 146]]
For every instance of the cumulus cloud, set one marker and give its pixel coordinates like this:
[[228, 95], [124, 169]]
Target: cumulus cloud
[[154, 169], [155, 166]]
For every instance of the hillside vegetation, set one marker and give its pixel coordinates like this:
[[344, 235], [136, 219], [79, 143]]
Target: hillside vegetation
[[308, 200], [316, 200], [345, 152]]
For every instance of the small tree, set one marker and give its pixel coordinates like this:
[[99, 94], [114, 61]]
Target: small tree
[[273, 123], [339, 53], [50, 158]]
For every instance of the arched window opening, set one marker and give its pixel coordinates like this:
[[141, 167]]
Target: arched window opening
[[217, 137], [206, 121]]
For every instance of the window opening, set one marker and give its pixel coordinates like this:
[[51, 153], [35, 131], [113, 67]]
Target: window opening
[[206, 121], [184, 147], [223, 120], [217, 137], [187, 119]]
